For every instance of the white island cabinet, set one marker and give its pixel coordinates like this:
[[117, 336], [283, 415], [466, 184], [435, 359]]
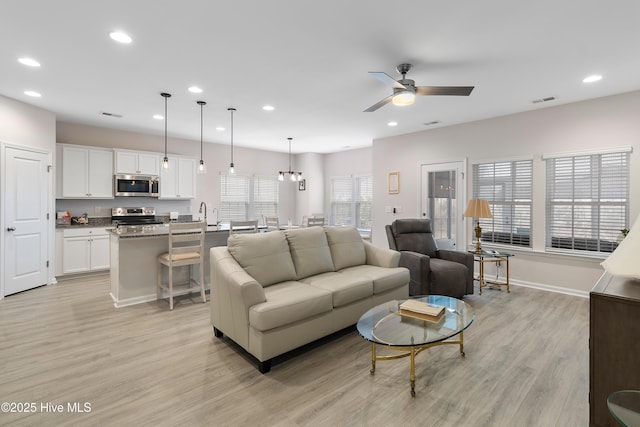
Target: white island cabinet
[[178, 181], [134, 261], [84, 173], [137, 162]]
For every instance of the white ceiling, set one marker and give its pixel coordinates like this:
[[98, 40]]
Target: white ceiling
[[309, 59]]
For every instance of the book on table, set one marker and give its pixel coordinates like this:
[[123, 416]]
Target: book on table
[[422, 310]]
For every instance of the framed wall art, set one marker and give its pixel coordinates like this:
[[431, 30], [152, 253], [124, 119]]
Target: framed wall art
[[394, 182]]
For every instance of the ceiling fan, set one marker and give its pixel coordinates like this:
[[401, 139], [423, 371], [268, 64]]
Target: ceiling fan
[[405, 90]]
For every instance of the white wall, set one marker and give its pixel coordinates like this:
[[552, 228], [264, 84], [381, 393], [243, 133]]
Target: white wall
[[26, 126], [216, 157], [601, 123], [311, 200]]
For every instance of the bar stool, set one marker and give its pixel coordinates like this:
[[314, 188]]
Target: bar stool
[[186, 249]]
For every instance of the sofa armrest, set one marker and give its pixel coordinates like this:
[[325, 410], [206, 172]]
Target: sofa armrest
[[233, 292], [460, 257], [381, 257]]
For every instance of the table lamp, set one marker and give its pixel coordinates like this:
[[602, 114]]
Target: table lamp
[[478, 208], [624, 259]]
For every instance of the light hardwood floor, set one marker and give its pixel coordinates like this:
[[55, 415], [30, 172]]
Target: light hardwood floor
[[526, 364]]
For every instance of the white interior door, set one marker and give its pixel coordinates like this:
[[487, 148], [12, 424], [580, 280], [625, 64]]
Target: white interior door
[[442, 201], [26, 225]]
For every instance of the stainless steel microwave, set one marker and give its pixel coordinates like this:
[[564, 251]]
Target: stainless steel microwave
[[136, 185]]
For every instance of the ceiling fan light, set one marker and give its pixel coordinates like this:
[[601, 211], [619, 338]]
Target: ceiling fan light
[[404, 97]]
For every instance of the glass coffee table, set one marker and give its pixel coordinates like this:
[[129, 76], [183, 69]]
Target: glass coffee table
[[383, 325]]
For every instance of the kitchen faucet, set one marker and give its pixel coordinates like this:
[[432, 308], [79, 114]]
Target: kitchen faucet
[[205, 211], [216, 211]]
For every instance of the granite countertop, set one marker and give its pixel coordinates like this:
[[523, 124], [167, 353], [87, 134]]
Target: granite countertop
[[156, 230]]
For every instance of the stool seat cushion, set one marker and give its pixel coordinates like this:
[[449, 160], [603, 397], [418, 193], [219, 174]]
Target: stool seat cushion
[[180, 257]]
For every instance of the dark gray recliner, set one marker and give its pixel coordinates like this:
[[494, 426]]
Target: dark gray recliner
[[433, 271]]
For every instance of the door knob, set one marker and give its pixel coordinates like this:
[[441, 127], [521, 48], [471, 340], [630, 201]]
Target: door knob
[[11, 229]]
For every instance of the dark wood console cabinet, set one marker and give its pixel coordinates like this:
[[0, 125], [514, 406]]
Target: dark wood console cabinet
[[614, 343]]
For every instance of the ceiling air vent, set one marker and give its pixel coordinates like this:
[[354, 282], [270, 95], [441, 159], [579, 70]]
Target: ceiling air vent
[[547, 99], [104, 113], [435, 122]]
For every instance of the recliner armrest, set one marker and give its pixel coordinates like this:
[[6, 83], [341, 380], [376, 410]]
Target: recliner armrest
[[419, 266], [465, 258]]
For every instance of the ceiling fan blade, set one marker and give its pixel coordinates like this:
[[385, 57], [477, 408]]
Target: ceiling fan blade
[[379, 104], [387, 79], [444, 90]]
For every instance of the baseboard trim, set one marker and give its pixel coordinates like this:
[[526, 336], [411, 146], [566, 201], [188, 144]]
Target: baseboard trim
[[549, 288], [131, 301]]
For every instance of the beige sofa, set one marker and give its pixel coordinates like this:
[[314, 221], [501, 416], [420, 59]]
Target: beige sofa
[[273, 292]]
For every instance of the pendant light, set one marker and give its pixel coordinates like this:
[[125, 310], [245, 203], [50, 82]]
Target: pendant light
[[201, 167], [293, 176], [231, 165], [165, 160]]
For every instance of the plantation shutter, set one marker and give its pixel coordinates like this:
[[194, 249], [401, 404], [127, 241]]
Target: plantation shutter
[[341, 201]]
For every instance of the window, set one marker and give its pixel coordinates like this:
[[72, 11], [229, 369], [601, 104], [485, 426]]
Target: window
[[243, 197], [265, 197], [508, 186], [351, 201], [587, 201]]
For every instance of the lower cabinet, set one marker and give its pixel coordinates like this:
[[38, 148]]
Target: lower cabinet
[[85, 250], [614, 343]]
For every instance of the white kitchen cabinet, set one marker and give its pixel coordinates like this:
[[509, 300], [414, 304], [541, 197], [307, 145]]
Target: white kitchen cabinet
[[179, 180], [137, 163], [85, 173], [84, 250]]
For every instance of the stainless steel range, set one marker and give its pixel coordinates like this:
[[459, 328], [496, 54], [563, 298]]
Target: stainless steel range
[[134, 216]]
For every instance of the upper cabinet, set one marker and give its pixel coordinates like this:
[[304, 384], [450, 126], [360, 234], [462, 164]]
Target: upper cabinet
[[137, 163], [179, 180], [84, 172]]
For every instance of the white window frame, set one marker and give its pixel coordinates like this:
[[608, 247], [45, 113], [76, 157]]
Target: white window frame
[[591, 189], [245, 195], [508, 187], [352, 199]]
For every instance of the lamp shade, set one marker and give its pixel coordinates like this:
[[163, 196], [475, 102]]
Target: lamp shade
[[478, 208], [624, 259]]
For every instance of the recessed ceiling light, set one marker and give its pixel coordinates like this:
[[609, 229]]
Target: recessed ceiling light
[[268, 108], [392, 124], [592, 78], [120, 37], [195, 89], [158, 117], [30, 62], [32, 93], [220, 128]]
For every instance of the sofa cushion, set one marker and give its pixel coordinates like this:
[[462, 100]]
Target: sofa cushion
[[264, 256], [287, 303], [347, 248], [414, 235], [384, 279], [309, 251], [344, 288]]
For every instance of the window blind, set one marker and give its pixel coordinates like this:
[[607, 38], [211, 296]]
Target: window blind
[[364, 199], [508, 187], [341, 201], [234, 197], [265, 197], [587, 201]]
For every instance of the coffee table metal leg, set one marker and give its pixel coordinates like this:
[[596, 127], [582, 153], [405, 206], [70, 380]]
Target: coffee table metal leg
[[413, 372], [373, 359], [462, 343]]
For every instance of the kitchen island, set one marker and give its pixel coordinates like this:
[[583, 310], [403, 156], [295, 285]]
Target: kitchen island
[[134, 266]]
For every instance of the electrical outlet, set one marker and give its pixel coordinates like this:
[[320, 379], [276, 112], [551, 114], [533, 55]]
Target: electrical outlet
[[397, 209], [388, 209]]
